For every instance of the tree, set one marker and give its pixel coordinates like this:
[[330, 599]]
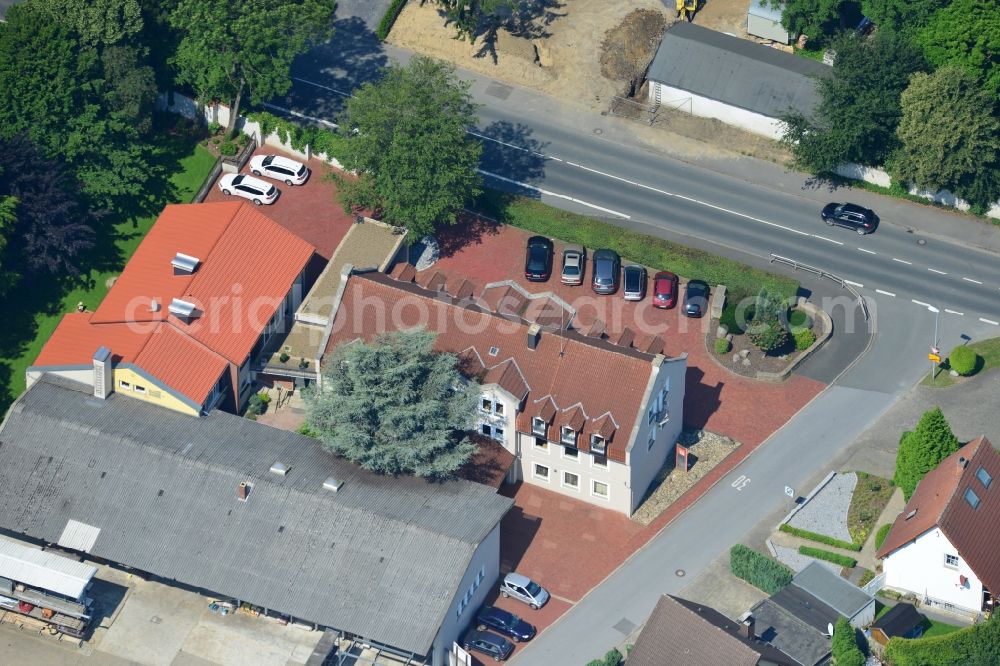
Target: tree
[[922, 450], [231, 48], [950, 135], [859, 110], [966, 33], [8, 220], [768, 328], [99, 23], [131, 86], [395, 406], [844, 646], [412, 153], [901, 15], [817, 19], [474, 19]]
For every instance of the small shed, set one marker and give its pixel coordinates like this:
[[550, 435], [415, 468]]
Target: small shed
[[902, 620], [763, 20], [842, 596]]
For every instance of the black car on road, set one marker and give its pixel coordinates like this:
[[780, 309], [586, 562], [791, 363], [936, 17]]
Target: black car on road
[[607, 267], [696, 298], [860, 219], [505, 623], [538, 259], [495, 646]]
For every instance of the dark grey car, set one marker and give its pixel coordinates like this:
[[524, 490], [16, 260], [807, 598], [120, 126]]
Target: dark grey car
[[860, 219], [607, 268], [696, 298]]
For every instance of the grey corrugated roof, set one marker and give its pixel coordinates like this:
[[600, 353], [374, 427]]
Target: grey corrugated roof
[[382, 558], [837, 593], [736, 71]]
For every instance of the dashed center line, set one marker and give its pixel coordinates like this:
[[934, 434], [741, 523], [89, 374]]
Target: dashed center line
[[887, 293], [555, 194], [989, 321], [867, 251], [971, 280], [934, 270], [828, 240], [953, 312], [854, 284], [902, 261], [926, 305]]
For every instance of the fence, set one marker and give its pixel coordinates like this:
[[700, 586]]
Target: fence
[[209, 179], [844, 284], [875, 584]]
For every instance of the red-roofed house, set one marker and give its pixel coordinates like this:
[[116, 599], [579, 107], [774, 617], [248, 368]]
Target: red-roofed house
[[582, 416], [204, 294], [944, 546]]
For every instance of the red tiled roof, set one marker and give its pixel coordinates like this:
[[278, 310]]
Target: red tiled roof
[[508, 377], [564, 365], [489, 465], [170, 357], [939, 501], [75, 340]]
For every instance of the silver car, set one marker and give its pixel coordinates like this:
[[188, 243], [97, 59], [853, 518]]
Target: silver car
[[524, 589], [634, 283], [574, 260]]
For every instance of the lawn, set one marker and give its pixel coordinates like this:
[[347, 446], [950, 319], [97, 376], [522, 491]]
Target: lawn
[[988, 350], [934, 628], [35, 310], [867, 503]]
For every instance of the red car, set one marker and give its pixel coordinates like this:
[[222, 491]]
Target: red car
[[664, 290]]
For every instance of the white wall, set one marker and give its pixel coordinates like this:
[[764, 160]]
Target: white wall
[[882, 178], [486, 559], [506, 421], [83, 376], [710, 108], [919, 568]]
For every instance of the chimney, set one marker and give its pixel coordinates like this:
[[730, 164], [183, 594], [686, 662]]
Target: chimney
[[534, 335], [747, 628], [962, 461], [154, 305], [244, 491], [103, 375]]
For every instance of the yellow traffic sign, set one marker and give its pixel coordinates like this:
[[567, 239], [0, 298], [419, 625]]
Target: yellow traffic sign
[[934, 357]]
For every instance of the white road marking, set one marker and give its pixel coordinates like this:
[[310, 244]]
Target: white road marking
[[867, 251], [926, 305], [510, 145], [971, 280], [953, 312], [854, 284], [887, 293], [902, 261], [934, 270], [555, 194], [989, 321], [828, 240], [300, 115], [318, 85]]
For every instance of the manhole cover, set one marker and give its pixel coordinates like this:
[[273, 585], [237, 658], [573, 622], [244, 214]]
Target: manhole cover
[[680, 573], [156, 619], [598, 131], [921, 241]]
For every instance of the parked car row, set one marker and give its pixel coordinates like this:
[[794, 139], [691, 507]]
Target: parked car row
[[607, 272], [260, 192], [504, 622]]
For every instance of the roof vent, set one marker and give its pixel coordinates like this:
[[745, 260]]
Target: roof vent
[[534, 335], [911, 514], [154, 305], [184, 264], [182, 309], [963, 461], [280, 469], [332, 484]]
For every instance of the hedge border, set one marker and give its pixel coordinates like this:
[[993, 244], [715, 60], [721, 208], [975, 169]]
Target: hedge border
[[836, 558], [820, 538], [758, 569], [389, 19], [881, 534]]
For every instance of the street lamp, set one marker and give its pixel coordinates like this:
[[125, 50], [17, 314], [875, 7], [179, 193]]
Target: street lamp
[[934, 343]]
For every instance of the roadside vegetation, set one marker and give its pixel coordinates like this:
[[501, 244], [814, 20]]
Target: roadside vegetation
[[741, 281], [945, 646], [923, 449], [987, 358]]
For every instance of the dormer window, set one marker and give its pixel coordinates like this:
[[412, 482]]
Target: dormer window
[[538, 426], [567, 436], [598, 446]]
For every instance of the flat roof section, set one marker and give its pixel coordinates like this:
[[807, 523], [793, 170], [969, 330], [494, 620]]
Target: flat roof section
[[44, 570]]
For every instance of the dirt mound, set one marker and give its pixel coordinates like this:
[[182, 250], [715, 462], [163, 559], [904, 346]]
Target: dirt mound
[[629, 47]]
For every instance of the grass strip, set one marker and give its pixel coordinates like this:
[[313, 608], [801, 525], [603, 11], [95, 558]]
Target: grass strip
[[836, 558]]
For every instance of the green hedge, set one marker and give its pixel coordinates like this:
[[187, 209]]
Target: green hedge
[[760, 571], [829, 556], [844, 646], [740, 280], [820, 538], [388, 19], [319, 139], [882, 533], [979, 644]]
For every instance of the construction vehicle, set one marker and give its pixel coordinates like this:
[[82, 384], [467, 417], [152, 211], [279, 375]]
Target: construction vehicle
[[687, 9]]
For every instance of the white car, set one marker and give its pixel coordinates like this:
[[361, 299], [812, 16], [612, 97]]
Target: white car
[[248, 187], [280, 168]]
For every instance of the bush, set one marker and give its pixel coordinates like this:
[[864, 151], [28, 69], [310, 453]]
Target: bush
[[304, 429], [963, 360], [979, 644], [798, 319], [283, 357], [264, 398], [836, 558], [216, 140], [729, 318], [214, 128], [867, 577], [319, 139], [880, 536], [844, 646], [612, 658], [229, 149], [820, 538], [760, 571], [804, 339], [767, 336], [722, 346], [388, 19]]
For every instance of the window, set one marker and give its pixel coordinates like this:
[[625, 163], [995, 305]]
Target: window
[[651, 415], [651, 442], [538, 426], [951, 560], [498, 408], [571, 480], [486, 429], [598, 445], [125, 385], [568, 436], [571, 452], [541, 472], [487, 404], [496, 432], [541, 444], [599, 489], [139, 389], [972, 498], [984, 477], [600, 461]]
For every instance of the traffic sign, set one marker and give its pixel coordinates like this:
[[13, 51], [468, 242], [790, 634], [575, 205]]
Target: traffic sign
[[790, 492], [934, 357], [935, 350]]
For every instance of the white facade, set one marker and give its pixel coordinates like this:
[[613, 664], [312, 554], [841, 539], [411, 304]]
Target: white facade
[[710, 108], [479, 580], [931, 568]]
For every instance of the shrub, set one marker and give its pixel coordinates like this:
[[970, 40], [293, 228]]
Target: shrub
[[264, 398], [729, 317], [722, 346], [319, 139], [804, 339], [283, 357], [963, 360], [798, 319], [820, 538], [979, 644], [836, 558], [229, 149], [881, 535], [216, 140], [767, 336], [867, 577], [612, 658], [214, 128], [388, 19], [760, 571], [304, 429], [844, 646]]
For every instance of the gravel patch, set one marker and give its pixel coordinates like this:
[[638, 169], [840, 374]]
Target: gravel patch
[[795, 561], [708, 449], [826, 512]]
